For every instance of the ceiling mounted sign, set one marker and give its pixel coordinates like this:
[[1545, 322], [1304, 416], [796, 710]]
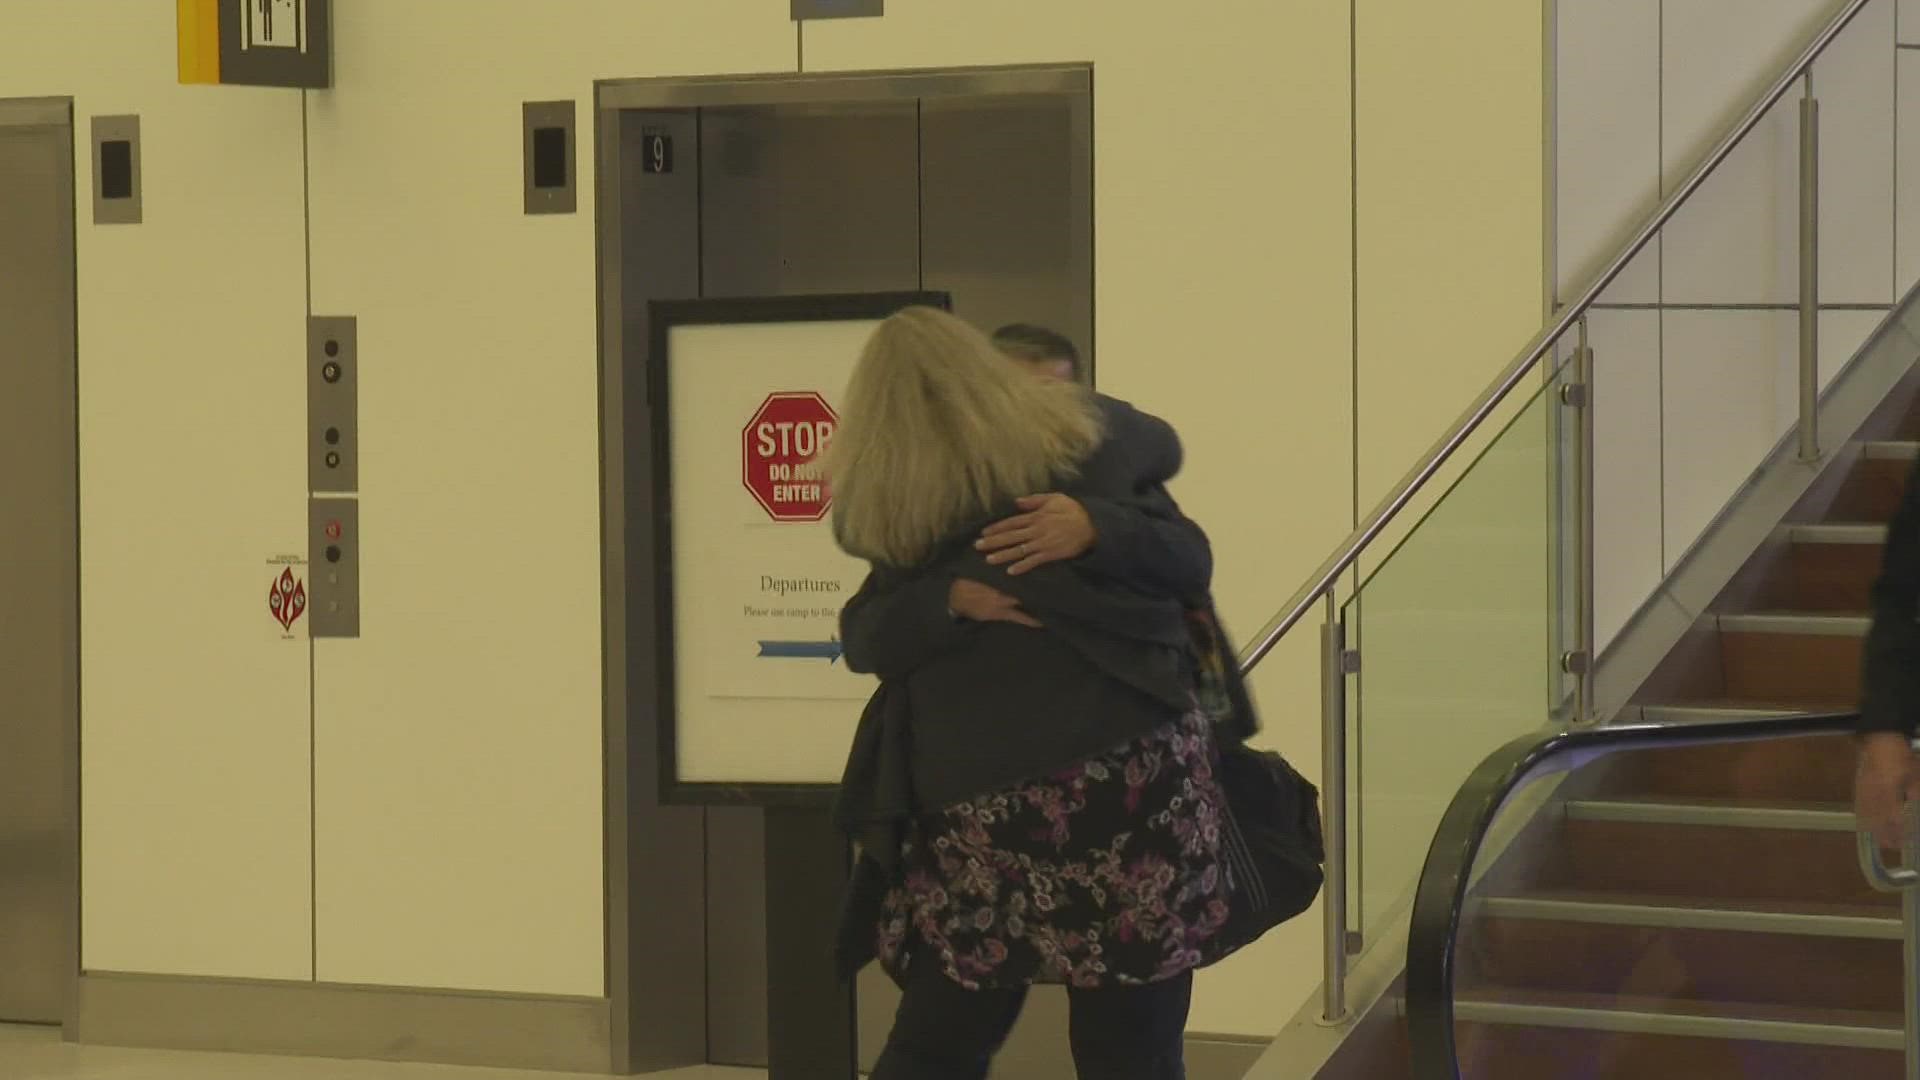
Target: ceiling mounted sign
[[838, 9], [256, 42]]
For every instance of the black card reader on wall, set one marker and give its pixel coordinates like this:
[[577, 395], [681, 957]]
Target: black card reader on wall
[[116, 170], [547, 143]]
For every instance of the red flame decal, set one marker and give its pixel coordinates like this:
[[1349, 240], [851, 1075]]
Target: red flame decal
[[287, 599]]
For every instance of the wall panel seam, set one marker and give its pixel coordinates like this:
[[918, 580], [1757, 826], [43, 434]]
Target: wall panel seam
[[313, 665]]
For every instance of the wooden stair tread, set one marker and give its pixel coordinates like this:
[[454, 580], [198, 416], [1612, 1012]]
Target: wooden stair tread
[[1601, 897], [1501, 1052], [1617, 1006], [1710, 709], [1872, 487], [1795, 623], [1825, 806], [1767, 859], [1686, 951], [1815, 771]]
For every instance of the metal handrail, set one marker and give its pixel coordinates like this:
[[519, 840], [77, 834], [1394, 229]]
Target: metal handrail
[[1883, 878], [1343, 558]]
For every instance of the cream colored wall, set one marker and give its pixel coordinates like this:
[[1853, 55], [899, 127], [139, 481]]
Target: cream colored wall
[[1450, 183], [458, 754], [455, 746], [194, 771]]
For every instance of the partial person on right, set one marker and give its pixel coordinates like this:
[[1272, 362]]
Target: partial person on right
[[1888, 776]]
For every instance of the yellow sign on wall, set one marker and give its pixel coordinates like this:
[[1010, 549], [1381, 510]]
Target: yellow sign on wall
[[255, 42], [199, 34]]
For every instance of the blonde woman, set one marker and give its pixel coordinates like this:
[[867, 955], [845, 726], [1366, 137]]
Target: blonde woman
[[1034, 785]]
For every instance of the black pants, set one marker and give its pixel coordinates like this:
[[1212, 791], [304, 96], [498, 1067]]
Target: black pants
[[944, 1032]]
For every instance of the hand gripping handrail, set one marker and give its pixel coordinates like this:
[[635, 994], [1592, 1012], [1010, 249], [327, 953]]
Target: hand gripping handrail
[[1878, 874], [1904, 880]]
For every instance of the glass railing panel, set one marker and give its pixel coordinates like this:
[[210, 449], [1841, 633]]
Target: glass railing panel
[[1453, 631], [1677, 910]]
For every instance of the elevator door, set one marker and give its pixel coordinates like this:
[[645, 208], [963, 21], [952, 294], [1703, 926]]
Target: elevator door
[[39, 613], [984, 196]]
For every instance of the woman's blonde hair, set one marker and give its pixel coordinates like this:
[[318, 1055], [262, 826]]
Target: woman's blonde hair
[[940, 429]]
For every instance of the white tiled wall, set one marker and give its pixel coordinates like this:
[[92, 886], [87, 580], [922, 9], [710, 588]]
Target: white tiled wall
[[1735, 241], [1609, 138], [1627, 509], [1692, 396], [1841, 335], [1725, 377], [1715, 56], [1854, 83], [1906, 230]]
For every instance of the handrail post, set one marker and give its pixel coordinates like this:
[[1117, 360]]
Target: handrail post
[[1809, 273], [1578, 661], [1333, 787], [1910, 936]]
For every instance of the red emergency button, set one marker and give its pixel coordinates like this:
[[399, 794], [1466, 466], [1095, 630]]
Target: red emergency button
[[333, 530]]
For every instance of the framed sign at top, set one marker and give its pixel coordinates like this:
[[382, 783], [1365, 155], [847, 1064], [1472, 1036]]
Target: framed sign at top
[[755, 703], [256, 42], [838, 9]]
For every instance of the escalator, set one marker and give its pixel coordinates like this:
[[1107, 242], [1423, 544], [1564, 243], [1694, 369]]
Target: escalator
[[1656, 901]]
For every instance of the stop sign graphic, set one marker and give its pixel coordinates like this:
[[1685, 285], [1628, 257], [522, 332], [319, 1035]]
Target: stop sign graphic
[[780, 450]]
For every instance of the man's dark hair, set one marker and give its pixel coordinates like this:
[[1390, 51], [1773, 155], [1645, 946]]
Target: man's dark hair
[[1025, 341]]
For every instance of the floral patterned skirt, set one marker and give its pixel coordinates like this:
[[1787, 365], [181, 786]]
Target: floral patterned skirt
[[1112, 872]]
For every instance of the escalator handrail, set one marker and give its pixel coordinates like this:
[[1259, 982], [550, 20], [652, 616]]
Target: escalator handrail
[[1441, 893]]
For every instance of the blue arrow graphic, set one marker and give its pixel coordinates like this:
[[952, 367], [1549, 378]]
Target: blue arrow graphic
[[830, 651]]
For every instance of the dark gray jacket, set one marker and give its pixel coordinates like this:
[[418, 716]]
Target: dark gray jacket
[[993, 704], [1890, 694]]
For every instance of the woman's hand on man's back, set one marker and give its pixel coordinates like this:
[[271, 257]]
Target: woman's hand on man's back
[[969, 599]]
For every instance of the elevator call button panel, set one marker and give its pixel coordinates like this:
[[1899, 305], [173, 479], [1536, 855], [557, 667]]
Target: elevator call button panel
[[333, 407], [333, 566]]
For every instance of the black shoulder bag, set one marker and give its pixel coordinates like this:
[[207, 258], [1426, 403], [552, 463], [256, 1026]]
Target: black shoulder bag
[[1271, 828]]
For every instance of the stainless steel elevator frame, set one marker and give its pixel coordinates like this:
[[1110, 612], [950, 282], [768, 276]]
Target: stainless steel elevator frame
[[657, 1024], [52, 119]]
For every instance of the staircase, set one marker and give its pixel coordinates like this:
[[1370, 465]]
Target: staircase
[[1671, 892], [1698, 912]]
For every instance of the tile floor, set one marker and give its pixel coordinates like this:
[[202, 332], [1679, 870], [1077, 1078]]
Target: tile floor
[[28, 1053]]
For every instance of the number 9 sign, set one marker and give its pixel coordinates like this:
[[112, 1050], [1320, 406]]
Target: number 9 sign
[[658, 148]]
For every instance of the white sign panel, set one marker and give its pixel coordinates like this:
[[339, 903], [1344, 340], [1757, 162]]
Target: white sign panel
[[273, 24], [761, 691]]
